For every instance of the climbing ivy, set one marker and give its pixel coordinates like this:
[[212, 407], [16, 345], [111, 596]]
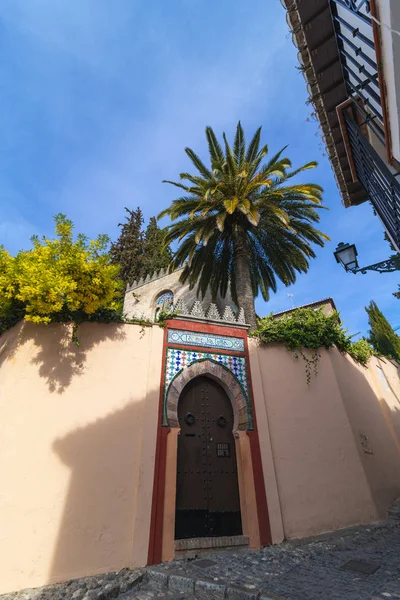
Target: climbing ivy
[[361, 351], [166, 314], [311, 329], [102, 315]]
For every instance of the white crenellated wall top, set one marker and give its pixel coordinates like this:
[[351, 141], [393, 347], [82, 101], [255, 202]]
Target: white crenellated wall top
[[199, 312], [141, 299], [153, 277]]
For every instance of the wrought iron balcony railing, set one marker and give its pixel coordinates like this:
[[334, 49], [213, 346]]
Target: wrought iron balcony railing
[[380, 184], [361, 8], [356, 43]]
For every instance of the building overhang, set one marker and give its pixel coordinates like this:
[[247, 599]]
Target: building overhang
[[314, 35]]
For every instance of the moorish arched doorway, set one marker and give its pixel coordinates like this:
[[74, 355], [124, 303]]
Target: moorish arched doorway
[[163, 544], [207, 489]]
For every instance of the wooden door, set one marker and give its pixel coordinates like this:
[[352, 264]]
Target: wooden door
[[207, 493]]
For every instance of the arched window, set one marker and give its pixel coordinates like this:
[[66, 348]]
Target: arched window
[[164, 301]]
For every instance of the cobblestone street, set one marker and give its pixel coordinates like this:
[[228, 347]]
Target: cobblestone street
[[307, 570], [355, 564]]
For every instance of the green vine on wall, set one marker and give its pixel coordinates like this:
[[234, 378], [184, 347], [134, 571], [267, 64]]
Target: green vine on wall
[[16, 313], [164, 315], [311, 329], [310, 363]]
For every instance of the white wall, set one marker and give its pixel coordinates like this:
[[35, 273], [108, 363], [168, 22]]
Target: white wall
[[140, 301], [389, 16]]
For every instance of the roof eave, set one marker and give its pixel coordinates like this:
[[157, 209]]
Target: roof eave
[[317, 101]]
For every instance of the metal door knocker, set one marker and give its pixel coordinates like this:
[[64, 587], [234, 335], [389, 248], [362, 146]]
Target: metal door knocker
[[221, 421], [190, 419]]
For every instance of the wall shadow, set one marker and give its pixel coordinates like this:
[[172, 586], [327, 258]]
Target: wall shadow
[[59, 359], [96, 529], [374, 429], [78, 479], [393, 411], [9, 342]]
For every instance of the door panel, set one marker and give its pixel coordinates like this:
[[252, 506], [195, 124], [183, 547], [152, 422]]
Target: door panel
[[207, 493], [191, 454]]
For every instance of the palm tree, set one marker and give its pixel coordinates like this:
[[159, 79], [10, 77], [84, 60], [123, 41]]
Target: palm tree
[[241, 225]]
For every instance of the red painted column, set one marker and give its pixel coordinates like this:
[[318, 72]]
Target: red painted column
[[258, 473], [259, 484], [157, 508]]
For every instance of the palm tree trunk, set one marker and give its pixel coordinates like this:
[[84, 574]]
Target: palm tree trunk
[[244, 290]]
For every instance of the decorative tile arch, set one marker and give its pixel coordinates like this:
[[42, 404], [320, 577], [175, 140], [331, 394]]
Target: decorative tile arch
[[240, 403], [163, 301]]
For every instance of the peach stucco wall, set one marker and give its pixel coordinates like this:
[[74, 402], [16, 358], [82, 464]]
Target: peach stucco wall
[[387, 389], [372, 412], [78, 435], [318, 477]]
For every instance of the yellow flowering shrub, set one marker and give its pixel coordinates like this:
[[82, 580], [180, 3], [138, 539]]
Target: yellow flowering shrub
[[6, 283], [59, 275]]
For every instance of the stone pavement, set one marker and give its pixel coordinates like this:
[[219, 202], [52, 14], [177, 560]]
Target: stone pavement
[[99, 587], [317, 568], [356, 564]]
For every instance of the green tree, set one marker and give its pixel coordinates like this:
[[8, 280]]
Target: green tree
[[156, 255], [60, 275], [381, 335], [241, 224], [128, 250]]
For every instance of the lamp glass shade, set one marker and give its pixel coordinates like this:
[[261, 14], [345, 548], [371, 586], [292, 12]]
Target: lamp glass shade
[[347, 255]]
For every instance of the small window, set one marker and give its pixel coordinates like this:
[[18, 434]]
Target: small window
[[383, 379], [164, 301]]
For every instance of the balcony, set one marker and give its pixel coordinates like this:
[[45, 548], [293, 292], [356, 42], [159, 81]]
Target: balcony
[[339, 43], [356, 39], [370, 170]]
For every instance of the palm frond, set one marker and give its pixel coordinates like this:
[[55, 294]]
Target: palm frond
[[239, 146], [231, 204], [229, 158], [200, 166], [177, 184], [254, 145], [216, 153], [310, 165]]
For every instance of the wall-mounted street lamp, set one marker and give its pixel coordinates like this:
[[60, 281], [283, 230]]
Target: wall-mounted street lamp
[[346, 254]]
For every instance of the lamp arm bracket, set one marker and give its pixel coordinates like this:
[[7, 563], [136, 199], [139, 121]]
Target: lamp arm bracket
[[385, 266]]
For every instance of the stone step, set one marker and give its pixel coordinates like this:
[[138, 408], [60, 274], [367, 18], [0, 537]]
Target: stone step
[[209, 543], [153, 591], [188, 587]]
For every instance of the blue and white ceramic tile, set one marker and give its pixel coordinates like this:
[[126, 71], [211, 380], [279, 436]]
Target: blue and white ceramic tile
[[206, 340], [179, 359]]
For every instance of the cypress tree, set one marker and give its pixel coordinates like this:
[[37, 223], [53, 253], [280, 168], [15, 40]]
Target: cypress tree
[[381, 335], [156, 256], [128, 250]]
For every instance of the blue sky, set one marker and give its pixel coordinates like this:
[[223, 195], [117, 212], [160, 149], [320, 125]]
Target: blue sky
[[98, 100]]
